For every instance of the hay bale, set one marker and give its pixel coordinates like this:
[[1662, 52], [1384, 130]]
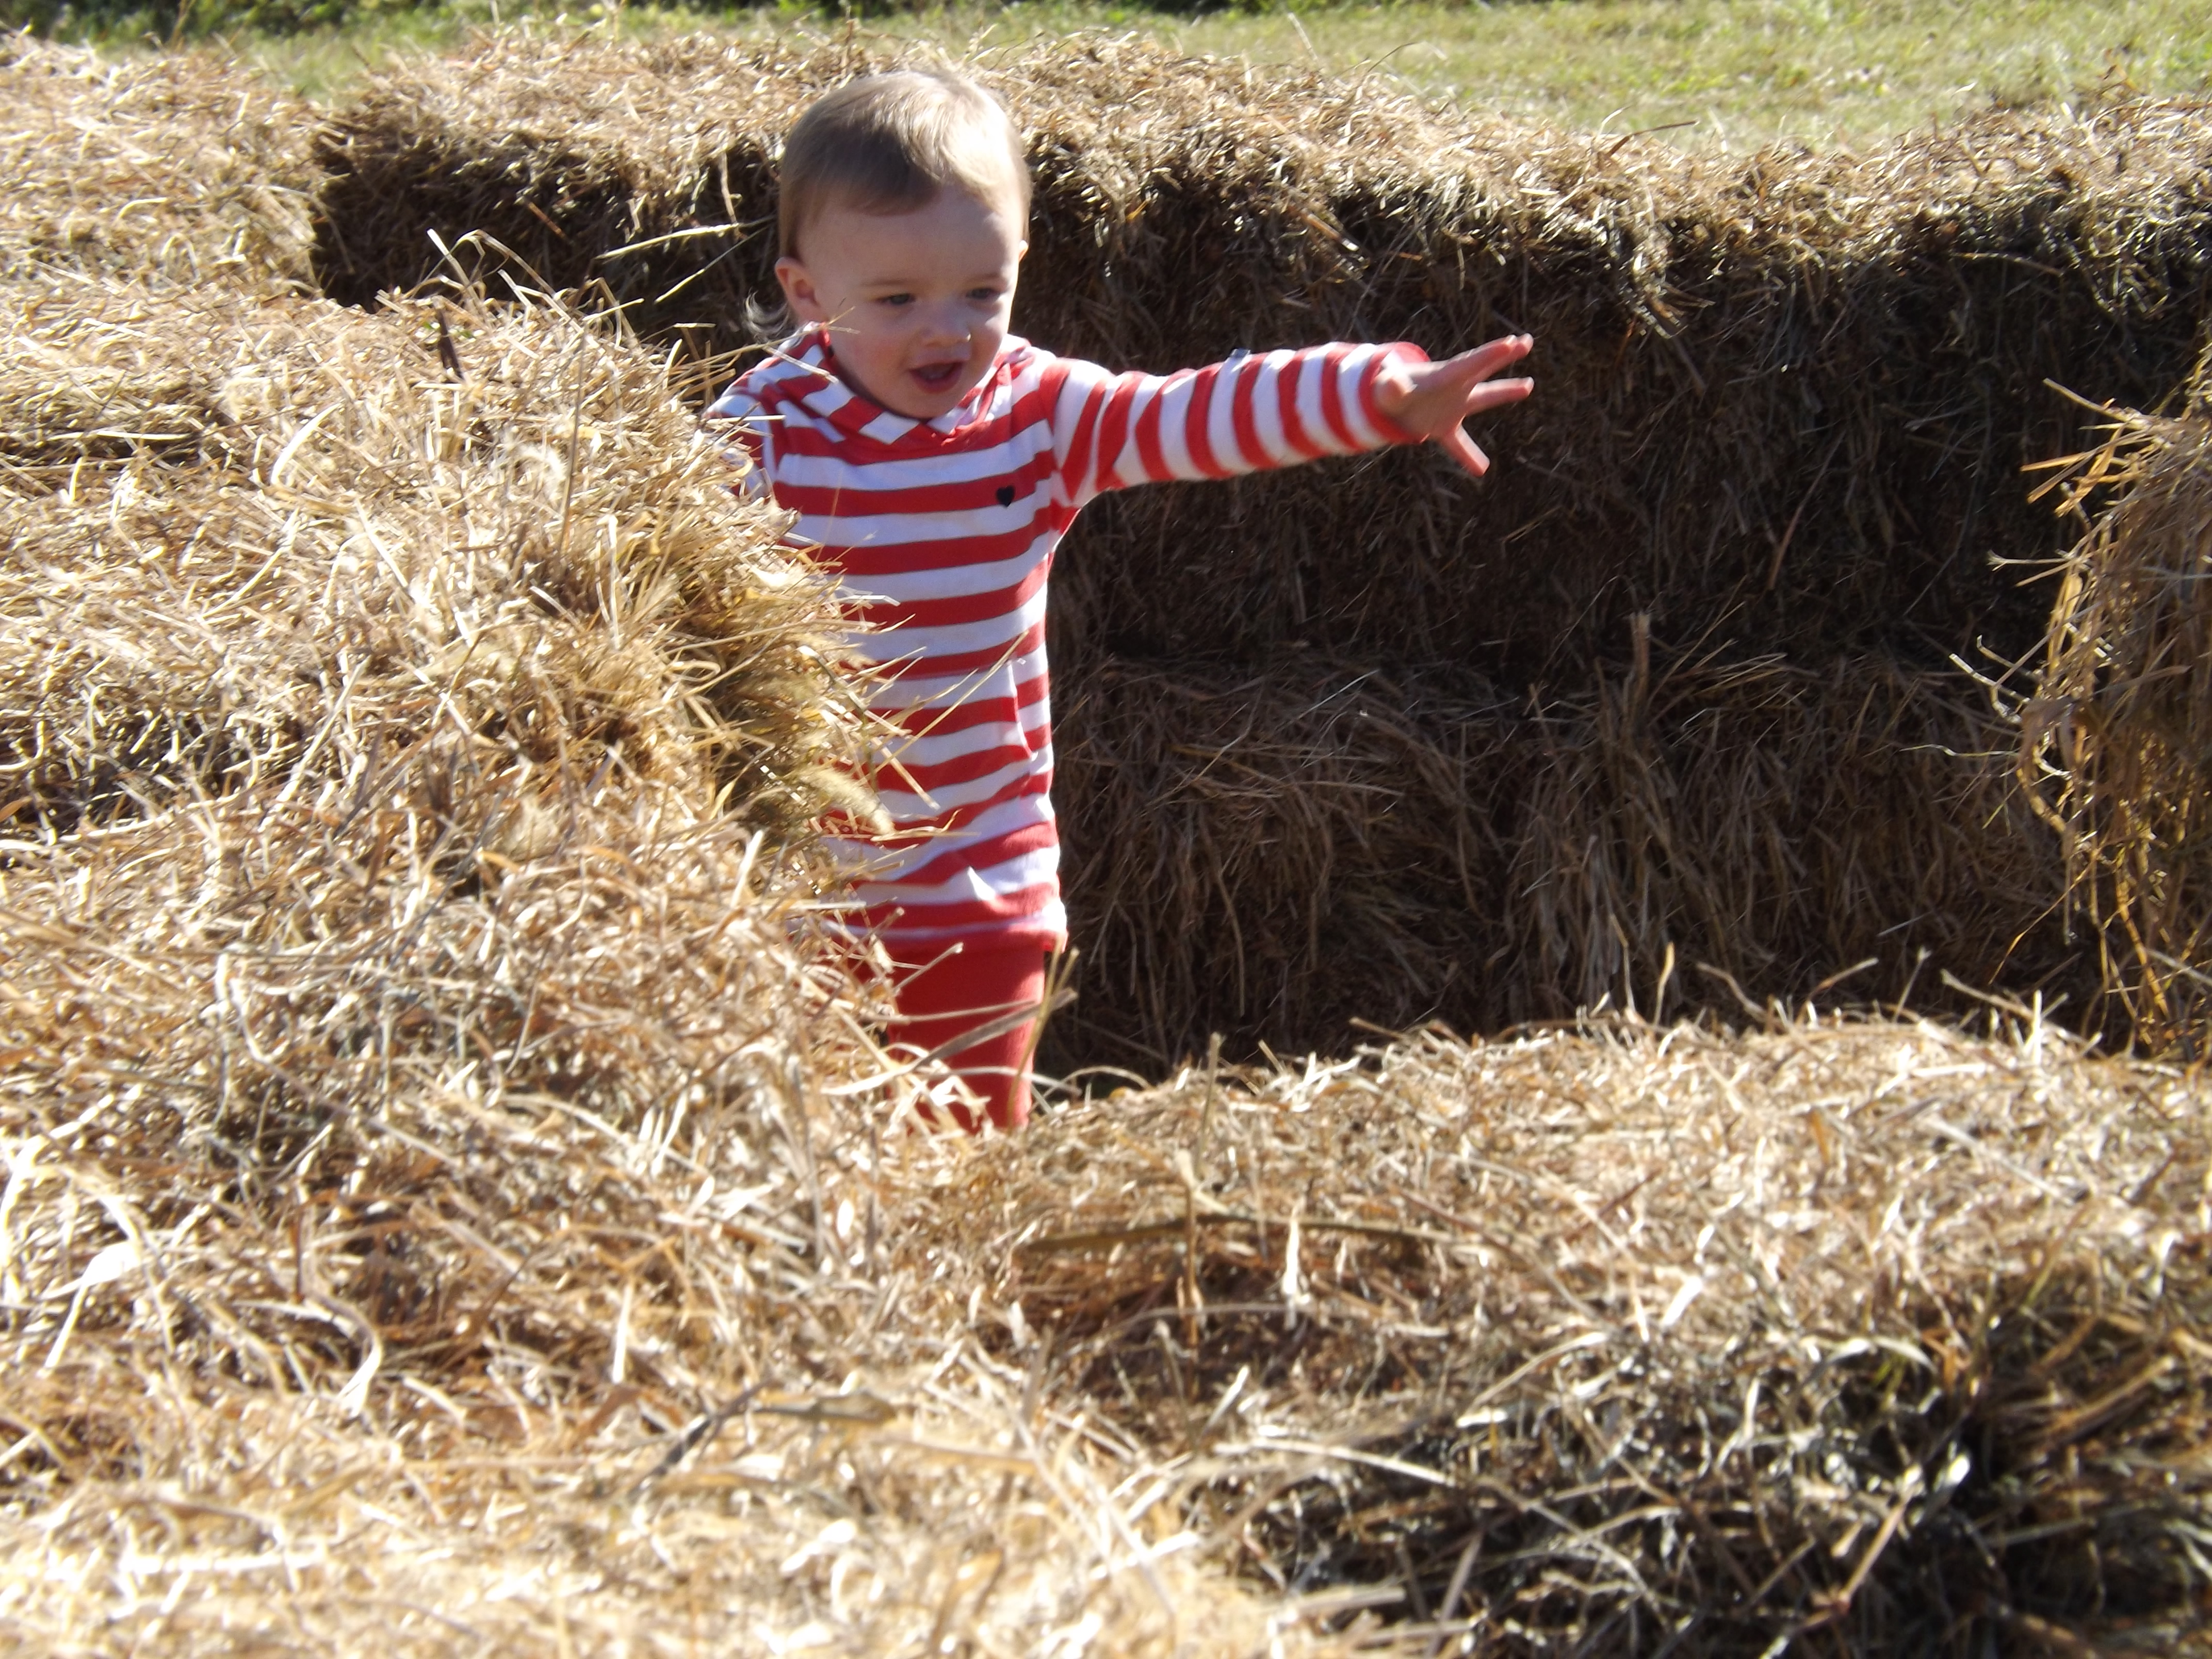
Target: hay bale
[[93, 373], [447, 1197], [1269, 856], [1784, 395], [445, 1191], [477, 1220], [1630, 1338], [540, 556], [186, 168], [2114, 737]]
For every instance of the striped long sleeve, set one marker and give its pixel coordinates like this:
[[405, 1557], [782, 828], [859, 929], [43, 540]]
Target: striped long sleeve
[[940, 536], [1246, 415]]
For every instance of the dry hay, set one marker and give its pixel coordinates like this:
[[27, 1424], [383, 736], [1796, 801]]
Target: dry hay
[[1832, 1338], [423, 1117], [383, 1208], [547, 565], [1783, 401], [447, 1200], [182, 168], [2114, 740], [1336, 847]]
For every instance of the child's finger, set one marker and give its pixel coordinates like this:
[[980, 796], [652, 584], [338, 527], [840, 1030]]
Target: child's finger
[[1488, 359], [1455, 442], [1494, 394]]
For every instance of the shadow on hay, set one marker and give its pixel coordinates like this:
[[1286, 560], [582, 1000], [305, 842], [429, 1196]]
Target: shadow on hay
[[1785, 398]]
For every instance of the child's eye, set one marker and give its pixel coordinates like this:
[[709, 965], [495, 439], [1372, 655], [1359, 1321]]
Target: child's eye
[[895, 300], [984, 295]]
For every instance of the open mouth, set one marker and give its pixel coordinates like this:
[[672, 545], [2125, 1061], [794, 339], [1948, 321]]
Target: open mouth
[[937, 377]]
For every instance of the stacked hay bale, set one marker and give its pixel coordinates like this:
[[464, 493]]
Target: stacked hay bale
[[1360, 847], [1784, 404], [2116, 742], [185, 170]]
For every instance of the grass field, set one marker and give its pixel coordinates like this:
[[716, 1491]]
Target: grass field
[[1744, 72], [1734, 72]]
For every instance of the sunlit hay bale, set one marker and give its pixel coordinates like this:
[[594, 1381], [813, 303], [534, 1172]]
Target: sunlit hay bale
[[560, 148], [101, 372], [2117, 740], [1274, 856], [182, 168], [428, 1126], [543, 554], [578, 156], [482, 1221], [517, 1231], [1728, 435], [1607, 1339]]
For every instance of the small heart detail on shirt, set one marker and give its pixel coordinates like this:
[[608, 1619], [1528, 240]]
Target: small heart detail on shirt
[[1006, 495]]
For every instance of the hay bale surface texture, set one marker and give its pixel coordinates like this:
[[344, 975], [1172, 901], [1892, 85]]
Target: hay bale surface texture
[[425, 1123], [1784, 401], [183, 168], [1867, 1337]]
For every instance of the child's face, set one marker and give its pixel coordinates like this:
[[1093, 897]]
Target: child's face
[[916, 303]]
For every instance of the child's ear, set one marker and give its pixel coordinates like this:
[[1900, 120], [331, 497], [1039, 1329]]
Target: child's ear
[[799, 290]]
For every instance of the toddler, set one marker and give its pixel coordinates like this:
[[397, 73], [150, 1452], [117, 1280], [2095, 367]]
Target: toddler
[[934, 461]]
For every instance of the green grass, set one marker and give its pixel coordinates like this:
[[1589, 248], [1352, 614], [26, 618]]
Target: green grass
[[1744, 71], [1734, 72]]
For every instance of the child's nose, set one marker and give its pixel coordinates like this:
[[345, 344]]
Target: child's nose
[[946, 325]]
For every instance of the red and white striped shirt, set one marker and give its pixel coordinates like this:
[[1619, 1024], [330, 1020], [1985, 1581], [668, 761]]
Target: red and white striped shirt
[[941, 533]]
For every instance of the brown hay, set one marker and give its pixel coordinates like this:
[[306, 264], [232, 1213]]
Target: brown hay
[[2114, 740], [447, 1201], [1271, 856], [539, 560], [369, 1250], [183, 168], [426, 1211], [1873, 1337]]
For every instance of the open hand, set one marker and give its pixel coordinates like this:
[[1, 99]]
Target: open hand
[[1431, 399]]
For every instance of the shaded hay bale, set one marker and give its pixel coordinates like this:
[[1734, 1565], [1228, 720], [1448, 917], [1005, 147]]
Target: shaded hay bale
[[1270, 856], [1784, 400], [184, 168], [1783, 396], [2114, 740], [1637, 1339]]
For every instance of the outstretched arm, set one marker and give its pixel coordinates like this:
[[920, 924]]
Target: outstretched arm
[[1114, 430], [1276, 409], [1430, 400]]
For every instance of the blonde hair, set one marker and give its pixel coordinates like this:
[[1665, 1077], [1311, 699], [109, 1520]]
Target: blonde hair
[[890, 143]]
